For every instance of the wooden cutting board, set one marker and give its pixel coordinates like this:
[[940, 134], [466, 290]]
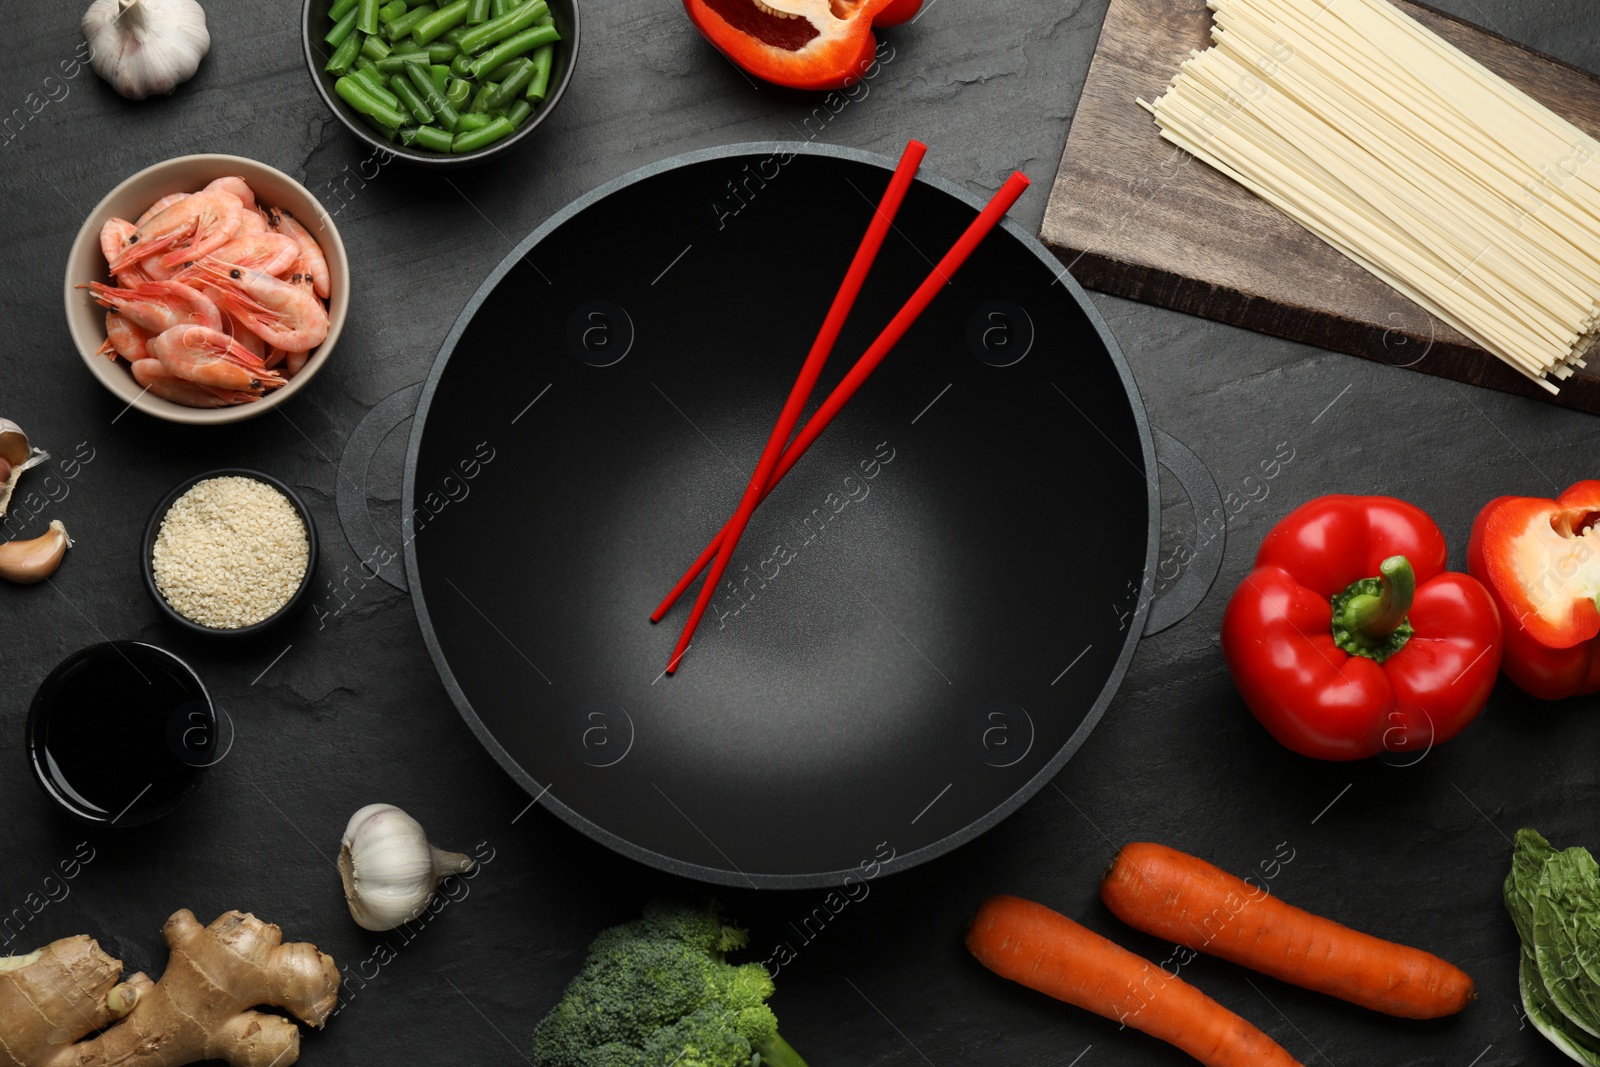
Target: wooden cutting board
[[1131, 214]]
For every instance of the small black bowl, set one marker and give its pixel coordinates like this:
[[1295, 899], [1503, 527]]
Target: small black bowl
[[314, 26], [296, 602], [120, 733]]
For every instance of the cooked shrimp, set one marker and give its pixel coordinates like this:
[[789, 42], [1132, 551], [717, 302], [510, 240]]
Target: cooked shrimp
[[246, 337], [126, 339], [152, 375], [270, 252], [312, 261], [158, 207], [188, 229], [236, 185], [159, 306], [210, 357], [114, 237], [251, 221], [113, 240], [281, 313], [296, 362], [151, 267]]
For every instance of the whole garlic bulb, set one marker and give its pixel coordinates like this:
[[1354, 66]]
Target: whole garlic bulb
[[389, 869], [144, 47]]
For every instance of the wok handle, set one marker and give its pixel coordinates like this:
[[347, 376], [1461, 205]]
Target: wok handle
[[384, 555], [1200, 573]]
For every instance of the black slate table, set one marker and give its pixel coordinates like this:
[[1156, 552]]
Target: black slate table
[[346, 709]]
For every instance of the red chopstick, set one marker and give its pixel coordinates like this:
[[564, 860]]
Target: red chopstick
[[987, 219], [850, 288]]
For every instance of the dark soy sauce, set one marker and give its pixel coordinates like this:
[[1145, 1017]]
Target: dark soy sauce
[[121, 732]]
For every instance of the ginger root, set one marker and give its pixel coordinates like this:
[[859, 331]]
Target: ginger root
[[52, 997], [199, 1010]]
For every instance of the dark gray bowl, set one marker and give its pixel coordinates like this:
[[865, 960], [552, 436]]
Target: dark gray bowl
[[296, 603], [314, 25]]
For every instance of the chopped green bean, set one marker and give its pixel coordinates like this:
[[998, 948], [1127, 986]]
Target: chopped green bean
[[476, 139], [357, 94], [369, 73], [344, 55], [436, 100], [413, 103], [458, 92], [401, 27], [515, 21], [395, 62], [445, 75], [539, 85], [434, 138], [513, 86], [511, 47], [374, 81], [341, 29], [447, 17]]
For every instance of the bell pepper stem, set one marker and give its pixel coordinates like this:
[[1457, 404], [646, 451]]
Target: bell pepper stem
[[1374, 618], [1369, 618]]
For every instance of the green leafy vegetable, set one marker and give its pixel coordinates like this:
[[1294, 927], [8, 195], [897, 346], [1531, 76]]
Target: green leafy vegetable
[[660, 991], [1548, 1020], [1554, 900], [1522, 884], [1566, 911]]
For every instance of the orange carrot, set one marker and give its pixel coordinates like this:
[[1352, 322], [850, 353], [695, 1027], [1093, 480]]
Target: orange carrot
[[1044, 950], [1186, 900]]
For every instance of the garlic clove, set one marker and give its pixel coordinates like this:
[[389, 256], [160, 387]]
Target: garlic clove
[[389, 870], [145, 47], [27, 562], [15, 457], [13, 443]]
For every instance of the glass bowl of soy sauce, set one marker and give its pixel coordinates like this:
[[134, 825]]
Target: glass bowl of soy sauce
[[120, 733]]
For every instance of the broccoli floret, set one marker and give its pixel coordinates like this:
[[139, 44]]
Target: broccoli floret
[[659, 992]]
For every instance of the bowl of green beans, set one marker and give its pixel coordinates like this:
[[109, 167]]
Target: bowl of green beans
[[441, 81]]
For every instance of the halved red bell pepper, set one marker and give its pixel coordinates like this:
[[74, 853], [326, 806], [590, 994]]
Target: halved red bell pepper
[[804, 44], [1349, 637], [1541, 561]]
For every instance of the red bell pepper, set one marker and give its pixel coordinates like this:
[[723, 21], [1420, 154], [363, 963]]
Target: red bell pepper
[[1349, 637], [1541, 562], [804, 44]]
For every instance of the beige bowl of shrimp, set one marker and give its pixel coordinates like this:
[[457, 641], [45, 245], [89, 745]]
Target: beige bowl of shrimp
[[207, 289]]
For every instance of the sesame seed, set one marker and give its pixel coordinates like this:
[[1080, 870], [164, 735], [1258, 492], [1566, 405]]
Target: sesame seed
[[231, 552]]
